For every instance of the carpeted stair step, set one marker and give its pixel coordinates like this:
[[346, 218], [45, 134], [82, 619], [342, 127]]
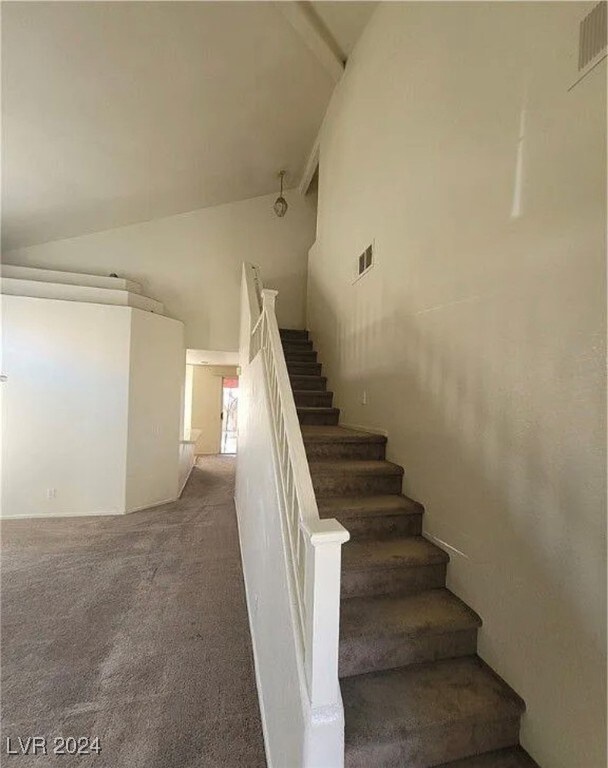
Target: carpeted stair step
[[342, 443], [391, 567], [318, 415], [311, 383], [347, 477], [387, 632], [310, 398], [303, 369], [366, 517], [296, 345], [512, 757], [291, 333], [414, 692], [426, 714], [304, 356]]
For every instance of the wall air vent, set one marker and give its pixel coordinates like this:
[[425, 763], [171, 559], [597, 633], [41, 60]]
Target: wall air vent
[[592, 40], [364, 262], [592, 35]]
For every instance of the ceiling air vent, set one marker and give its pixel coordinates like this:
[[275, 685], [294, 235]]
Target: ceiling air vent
[[592, 39]]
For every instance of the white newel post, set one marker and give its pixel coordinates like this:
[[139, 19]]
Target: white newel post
[[269, 298], [322, 589]]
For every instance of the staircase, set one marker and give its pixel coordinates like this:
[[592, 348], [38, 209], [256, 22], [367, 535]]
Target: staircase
[[415, 693]]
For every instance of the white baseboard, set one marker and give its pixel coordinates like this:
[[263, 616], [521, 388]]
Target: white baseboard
[[59, 515], [449, 548], [103, 513], [151, 506], [181, 490], [361, 428]]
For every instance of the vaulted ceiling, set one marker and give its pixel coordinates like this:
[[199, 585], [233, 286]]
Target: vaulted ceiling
[[114, 113]]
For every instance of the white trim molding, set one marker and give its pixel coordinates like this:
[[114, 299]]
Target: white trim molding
[[314, 35]]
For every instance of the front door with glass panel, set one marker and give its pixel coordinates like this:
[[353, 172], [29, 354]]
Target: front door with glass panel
[[230, 402]]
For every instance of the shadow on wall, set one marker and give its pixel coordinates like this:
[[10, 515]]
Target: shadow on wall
[[289, 286], [504, 477]]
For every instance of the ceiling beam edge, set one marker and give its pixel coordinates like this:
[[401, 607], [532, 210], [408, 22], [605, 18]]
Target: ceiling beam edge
[[311, 166], [303, 22]]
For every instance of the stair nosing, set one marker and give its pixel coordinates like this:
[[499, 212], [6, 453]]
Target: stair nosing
[[470, 719], [317, 408], [343, 438], [440, 557], [437, 629], [524, 760], [409, 506], [352, 515], [308, 391], [511, 705], [381, 467]]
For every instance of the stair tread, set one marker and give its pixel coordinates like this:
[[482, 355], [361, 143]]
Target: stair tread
[[353, 466], [512, 757], [435, 611], [312, 392], [363, 506], [394, 552], [330, 434], [393, 704], [317, 409], [306, 383], [296, 342]]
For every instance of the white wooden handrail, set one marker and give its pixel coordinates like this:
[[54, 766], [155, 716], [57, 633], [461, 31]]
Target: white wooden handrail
[[314, 545]]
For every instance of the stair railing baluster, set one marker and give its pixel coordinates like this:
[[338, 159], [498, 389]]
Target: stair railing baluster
[[314, 545]]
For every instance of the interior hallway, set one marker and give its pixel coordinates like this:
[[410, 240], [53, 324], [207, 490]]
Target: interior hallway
[[133, 629]]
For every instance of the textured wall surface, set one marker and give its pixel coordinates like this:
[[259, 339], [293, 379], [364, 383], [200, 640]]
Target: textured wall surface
[[477, 339], [192, 262]]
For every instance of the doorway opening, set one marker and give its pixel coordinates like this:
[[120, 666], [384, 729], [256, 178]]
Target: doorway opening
[[230, 404]]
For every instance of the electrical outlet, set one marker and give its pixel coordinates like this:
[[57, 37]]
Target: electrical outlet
[[51, 493]]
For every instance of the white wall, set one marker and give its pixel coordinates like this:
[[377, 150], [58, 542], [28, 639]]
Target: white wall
[[65, 407], [207, 405], [156, 373], [91, 409], [192, 262], [479, 335], [188, 388]]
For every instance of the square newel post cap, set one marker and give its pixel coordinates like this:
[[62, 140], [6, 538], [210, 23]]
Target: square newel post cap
[[323, 532], [268, 298]]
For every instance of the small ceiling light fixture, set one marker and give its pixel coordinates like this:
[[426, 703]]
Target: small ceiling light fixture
[[280, 204]]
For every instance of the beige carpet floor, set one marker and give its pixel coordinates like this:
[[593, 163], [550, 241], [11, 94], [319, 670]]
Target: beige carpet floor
[[132, 629]]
